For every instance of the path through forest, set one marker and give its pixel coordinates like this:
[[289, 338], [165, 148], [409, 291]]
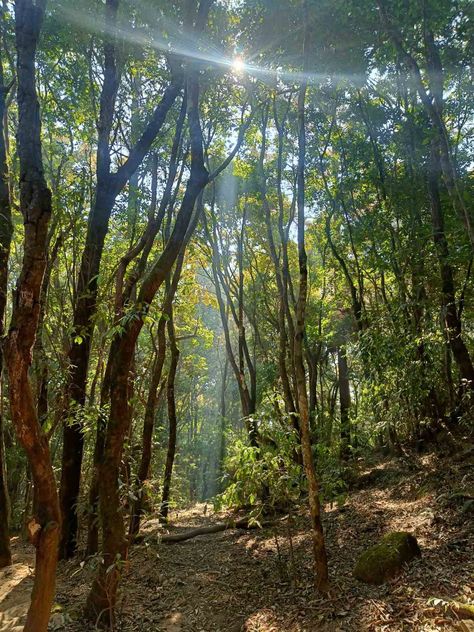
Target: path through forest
[[260, 581]]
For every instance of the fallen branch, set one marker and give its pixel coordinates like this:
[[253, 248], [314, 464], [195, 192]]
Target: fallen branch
[[243, 523], [170, 538]]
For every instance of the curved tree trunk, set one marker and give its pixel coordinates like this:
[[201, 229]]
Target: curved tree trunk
[[149, 422], [153, 395], [103, 595], [109, 185], [35, 205]]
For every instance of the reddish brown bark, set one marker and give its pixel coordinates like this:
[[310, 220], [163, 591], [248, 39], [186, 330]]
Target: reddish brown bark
[[147, 439], [150, 411], [35, 206], [109, 185], [102, 597]]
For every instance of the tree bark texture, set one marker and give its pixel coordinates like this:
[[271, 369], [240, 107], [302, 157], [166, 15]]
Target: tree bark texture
[[35, 206], [102, 598], [109, 185]]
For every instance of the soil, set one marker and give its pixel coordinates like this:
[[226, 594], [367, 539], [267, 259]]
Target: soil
[[261, 580]]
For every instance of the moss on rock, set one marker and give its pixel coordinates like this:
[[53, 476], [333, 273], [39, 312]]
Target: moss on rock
[[385, 560]]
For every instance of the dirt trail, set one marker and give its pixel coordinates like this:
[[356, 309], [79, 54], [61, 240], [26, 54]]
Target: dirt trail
[[260, 581], [16, 582]]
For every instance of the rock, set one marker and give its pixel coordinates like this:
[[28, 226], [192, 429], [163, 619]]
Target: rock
[[385, 560], [462, 610]]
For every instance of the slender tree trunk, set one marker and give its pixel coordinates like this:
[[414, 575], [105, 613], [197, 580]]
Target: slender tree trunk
[[319, 549], [92, 546], [222, 413], [109, 186], [5, 241], [172, 420], [35, 205], [237, 368], [344, 401], [148, 427], [143, 470], [5, 552], [150, 409], [279, 274], [102, 597]]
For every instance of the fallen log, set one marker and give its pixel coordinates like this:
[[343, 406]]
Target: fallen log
[[242, 523]]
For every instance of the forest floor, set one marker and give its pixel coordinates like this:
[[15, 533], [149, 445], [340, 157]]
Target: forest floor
[[261, 580]]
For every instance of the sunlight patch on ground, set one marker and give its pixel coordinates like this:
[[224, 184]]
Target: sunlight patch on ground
[[173, 622], [10, 577], [262, 621]]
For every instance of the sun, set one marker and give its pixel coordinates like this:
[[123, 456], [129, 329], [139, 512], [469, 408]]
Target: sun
[[238, 64]]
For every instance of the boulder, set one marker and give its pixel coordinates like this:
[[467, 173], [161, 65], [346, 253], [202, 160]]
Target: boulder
[[385, 560]]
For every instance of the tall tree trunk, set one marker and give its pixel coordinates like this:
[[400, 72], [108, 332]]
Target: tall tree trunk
[[152, 400], [35, 206], [281, 282], [222, 414], [148, 427], [92, 545], [5, 241], [109, 186], [344, 401], [102, 597], [86, 296], [172, 420], [246, 400], [143, 470], [319, 549]]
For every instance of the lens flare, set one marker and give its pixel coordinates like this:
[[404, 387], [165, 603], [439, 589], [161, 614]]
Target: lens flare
[[238, 65]]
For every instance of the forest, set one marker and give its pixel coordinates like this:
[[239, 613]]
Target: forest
[[236, 315]]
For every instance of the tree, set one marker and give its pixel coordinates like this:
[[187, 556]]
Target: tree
[[102, 598], [319, 549], [109, 185], [35, 206], [6, 230]]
